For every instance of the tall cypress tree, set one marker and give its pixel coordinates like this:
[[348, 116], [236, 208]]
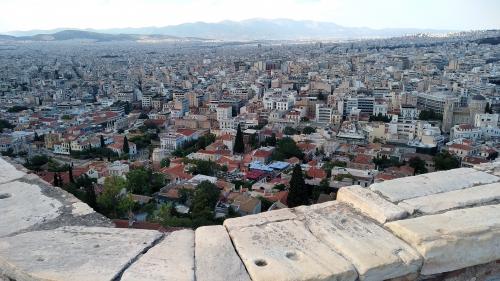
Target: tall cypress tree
[[298, 193], [55, 181], [70, 172], [239, 146], [103, 144], [126, 149]]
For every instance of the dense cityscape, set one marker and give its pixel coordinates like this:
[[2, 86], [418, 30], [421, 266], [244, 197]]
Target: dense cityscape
[[188, 133]]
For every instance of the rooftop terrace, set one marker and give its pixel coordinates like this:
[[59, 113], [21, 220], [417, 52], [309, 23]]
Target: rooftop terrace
[[437, 226]]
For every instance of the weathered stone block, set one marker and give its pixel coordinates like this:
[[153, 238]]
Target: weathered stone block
[[171, 259], [23, 205], [215, 256], [259, 219], [410, 187], [375, 252], [436, 203], [72, 253], [453, 240], [370, 204], [286, 250]]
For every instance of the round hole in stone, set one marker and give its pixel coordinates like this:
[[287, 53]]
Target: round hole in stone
[[4, 195], [260, 262], [292, 256]]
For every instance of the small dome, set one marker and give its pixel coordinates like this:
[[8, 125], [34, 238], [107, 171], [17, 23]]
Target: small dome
[[478, 97]]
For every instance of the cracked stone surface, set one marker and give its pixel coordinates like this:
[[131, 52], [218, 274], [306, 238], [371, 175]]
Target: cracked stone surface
[[171, 259], [216, 258], [353, 236], [73, 253]]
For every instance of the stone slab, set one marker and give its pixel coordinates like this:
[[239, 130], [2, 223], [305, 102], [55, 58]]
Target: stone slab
[[8, 172], [375, 252], [215, 256], [171, 259], [23, 205], [410, 187], [72, 253], [436, 203], [259, 219], [286, 250], [453, 240], [370, 204]]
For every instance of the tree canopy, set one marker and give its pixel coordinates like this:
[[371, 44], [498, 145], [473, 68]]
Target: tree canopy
[[113, 201], [287, 148], [418, 164], [445, 161]]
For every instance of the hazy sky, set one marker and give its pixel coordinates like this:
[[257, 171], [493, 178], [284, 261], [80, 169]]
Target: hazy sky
[[437, 14]]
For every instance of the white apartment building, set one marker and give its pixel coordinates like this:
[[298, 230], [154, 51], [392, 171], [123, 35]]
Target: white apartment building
[[380, 108], [465, 131], [224, 111], [118, 169], [409, 112]]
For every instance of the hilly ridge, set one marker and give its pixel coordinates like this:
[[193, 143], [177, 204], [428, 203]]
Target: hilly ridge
[[252, 29]]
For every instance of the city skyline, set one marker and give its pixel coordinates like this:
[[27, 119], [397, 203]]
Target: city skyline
[[105, 14]]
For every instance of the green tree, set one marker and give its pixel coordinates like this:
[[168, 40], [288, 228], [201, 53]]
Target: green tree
[[418, 164], [445, 161], [493, 155], [429, 115], [239, 146], [103, 144], [70, 173], [298, 194], [17, 108], [137, 181], [488, 109], [289, 131], [113, 201], [4, 124], [87, 184], [309, 130], [126, 148], [165, 162], [271, 141], [287, 148], [205, 197]]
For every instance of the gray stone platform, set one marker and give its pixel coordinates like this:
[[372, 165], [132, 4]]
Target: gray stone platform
[[438, 226]]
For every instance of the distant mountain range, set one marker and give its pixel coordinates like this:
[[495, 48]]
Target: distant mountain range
[[253, 29]]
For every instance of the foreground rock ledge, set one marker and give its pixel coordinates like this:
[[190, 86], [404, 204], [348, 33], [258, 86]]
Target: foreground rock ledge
[[72, 253], [453, 240]]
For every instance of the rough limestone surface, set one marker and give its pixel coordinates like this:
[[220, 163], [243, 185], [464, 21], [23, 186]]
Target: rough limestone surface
[[72, 253], [8, 172], [375, 252], [286, 250], [453, 240], [410, 187], [436, 203], [23, 205], [259, 219], [171, 259], [215, 256], [370, 204]]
